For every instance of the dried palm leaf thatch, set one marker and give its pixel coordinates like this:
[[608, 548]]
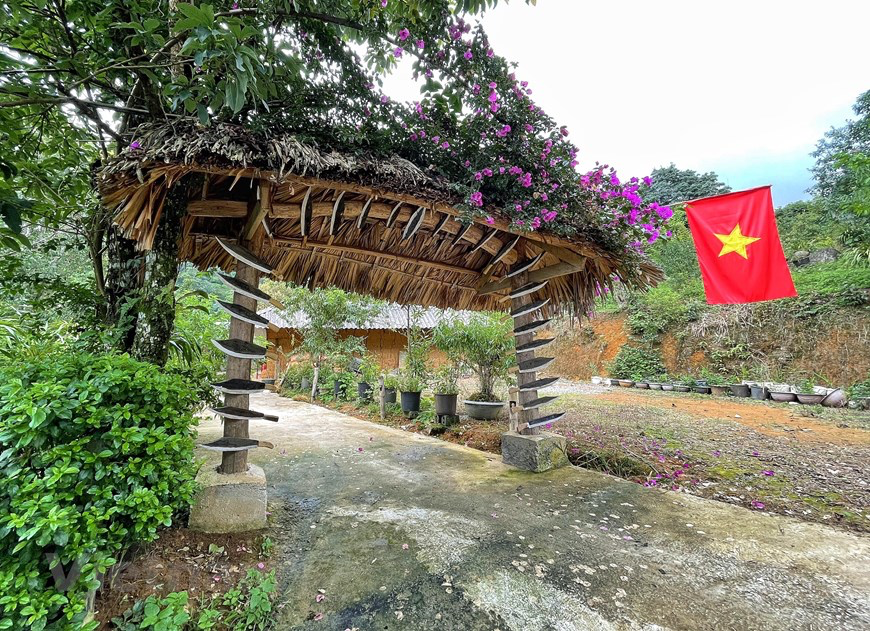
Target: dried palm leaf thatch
[[440, 262]]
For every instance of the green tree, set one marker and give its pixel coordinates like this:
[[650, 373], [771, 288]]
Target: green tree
[[485, 345], [838, 166], [320, 315], [671, 185], [88, 75]]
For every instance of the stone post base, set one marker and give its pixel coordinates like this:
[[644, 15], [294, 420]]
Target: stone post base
[[537, 453], [229, 503]]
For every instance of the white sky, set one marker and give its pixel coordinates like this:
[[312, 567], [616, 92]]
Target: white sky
[[742, 88]]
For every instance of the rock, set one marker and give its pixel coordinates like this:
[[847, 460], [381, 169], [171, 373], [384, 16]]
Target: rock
[[825, 255]]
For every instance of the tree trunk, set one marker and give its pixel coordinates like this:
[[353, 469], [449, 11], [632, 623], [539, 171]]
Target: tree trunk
[[157, 305], [123, 271]]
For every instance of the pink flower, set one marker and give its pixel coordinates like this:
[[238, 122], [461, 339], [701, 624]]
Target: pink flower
[[404, 34], [489, 52], [476, 199], [135, 145], [261, 566], [398, 52], [319, 616], [445, 145], [216, 578], [487, 172], [767, 472], [489, 220], [319, 598], [758, 505], [384, 4], [359, 449], [404, 546], [468, 54], [421, 44], [385, 98]]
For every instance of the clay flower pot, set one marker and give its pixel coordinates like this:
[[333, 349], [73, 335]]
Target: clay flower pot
[[668, 386], [655, 386], [810, 398], [626, 383], [835, 399], [643, 385], [681, 387], [783, 397]]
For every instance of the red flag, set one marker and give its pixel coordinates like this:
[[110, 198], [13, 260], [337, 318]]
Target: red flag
[[738, 248]]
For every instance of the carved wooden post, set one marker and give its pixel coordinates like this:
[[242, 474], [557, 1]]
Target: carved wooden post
[[524, 416], [237, 461]]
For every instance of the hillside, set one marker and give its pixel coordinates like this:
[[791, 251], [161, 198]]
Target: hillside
[[823, 335]]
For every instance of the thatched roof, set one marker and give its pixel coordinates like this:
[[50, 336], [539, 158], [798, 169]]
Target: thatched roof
[[378, 225]]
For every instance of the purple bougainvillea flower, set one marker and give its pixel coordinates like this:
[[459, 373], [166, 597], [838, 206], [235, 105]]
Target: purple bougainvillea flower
[[261, 566], [445, 145], [135, 145], [757, 504], [398, 52], [489, 220], [420, 44], [404, 34], [359, 449], [468, 54], [476, 199], [384, 4], [384, 98], [319, 598], [767, 472], [319, 616], [235, 5], [490, 52]]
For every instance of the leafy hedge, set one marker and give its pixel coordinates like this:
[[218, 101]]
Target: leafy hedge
[[633, 362], [96, 452]]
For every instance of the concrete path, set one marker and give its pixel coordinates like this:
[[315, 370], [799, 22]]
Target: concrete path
[[401, 531]]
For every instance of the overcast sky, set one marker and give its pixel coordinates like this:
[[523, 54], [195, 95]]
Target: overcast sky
[[742, 88]]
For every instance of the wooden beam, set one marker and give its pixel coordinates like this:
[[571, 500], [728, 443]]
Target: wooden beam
[[545, 273], [562, 254], [217, 208], [297, 243], [262, 207]]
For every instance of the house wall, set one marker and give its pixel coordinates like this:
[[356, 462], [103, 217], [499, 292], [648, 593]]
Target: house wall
[[388, 346]]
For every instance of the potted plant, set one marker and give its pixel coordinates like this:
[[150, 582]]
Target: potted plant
[[413, 376], [682, 384], [655, 382], [643, 384], [446, 391], [485, 345], [759, 391], [718, 384], [391, 384], [369, 371], [739, 389], [807, 395], [411, 387]]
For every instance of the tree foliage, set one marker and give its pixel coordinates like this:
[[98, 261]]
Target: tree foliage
[[672, 185], [484, 344]]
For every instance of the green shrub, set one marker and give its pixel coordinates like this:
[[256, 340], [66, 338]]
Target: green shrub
[[661, 308], [633, 362], [830, 278], [96, 452]]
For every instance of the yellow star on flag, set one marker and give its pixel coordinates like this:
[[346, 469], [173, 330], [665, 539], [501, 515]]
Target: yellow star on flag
[[735, 242]]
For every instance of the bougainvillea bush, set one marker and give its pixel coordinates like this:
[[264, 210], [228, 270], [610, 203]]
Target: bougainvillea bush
[[96, 452]]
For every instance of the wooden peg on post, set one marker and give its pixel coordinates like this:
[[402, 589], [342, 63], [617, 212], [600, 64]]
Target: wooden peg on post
[[523, 417]]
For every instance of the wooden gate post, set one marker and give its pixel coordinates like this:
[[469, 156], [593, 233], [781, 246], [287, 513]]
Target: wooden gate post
[[237, 461], [524, 416]]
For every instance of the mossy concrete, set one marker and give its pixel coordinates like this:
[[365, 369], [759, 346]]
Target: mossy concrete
[[233, 502], [537, 453], [403, 531]]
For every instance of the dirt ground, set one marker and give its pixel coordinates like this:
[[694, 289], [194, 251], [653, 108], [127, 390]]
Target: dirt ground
[[203, 564], [804, 461]]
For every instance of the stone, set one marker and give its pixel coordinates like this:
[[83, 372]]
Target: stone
[[540, 452], [804, 257], [234, 502]]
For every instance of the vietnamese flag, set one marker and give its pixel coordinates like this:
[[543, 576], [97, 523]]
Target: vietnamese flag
[[738, 248]]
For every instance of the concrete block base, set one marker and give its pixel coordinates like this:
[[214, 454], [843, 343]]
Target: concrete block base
[[229, 503], [537, 453]]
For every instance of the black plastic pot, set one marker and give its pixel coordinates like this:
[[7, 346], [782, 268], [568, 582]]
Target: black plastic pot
[[484, 410], [739, 389], [410, 402], [389, 395], [445, 404], [364, 391], [339, 390], [758, 392], [701, 389]]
